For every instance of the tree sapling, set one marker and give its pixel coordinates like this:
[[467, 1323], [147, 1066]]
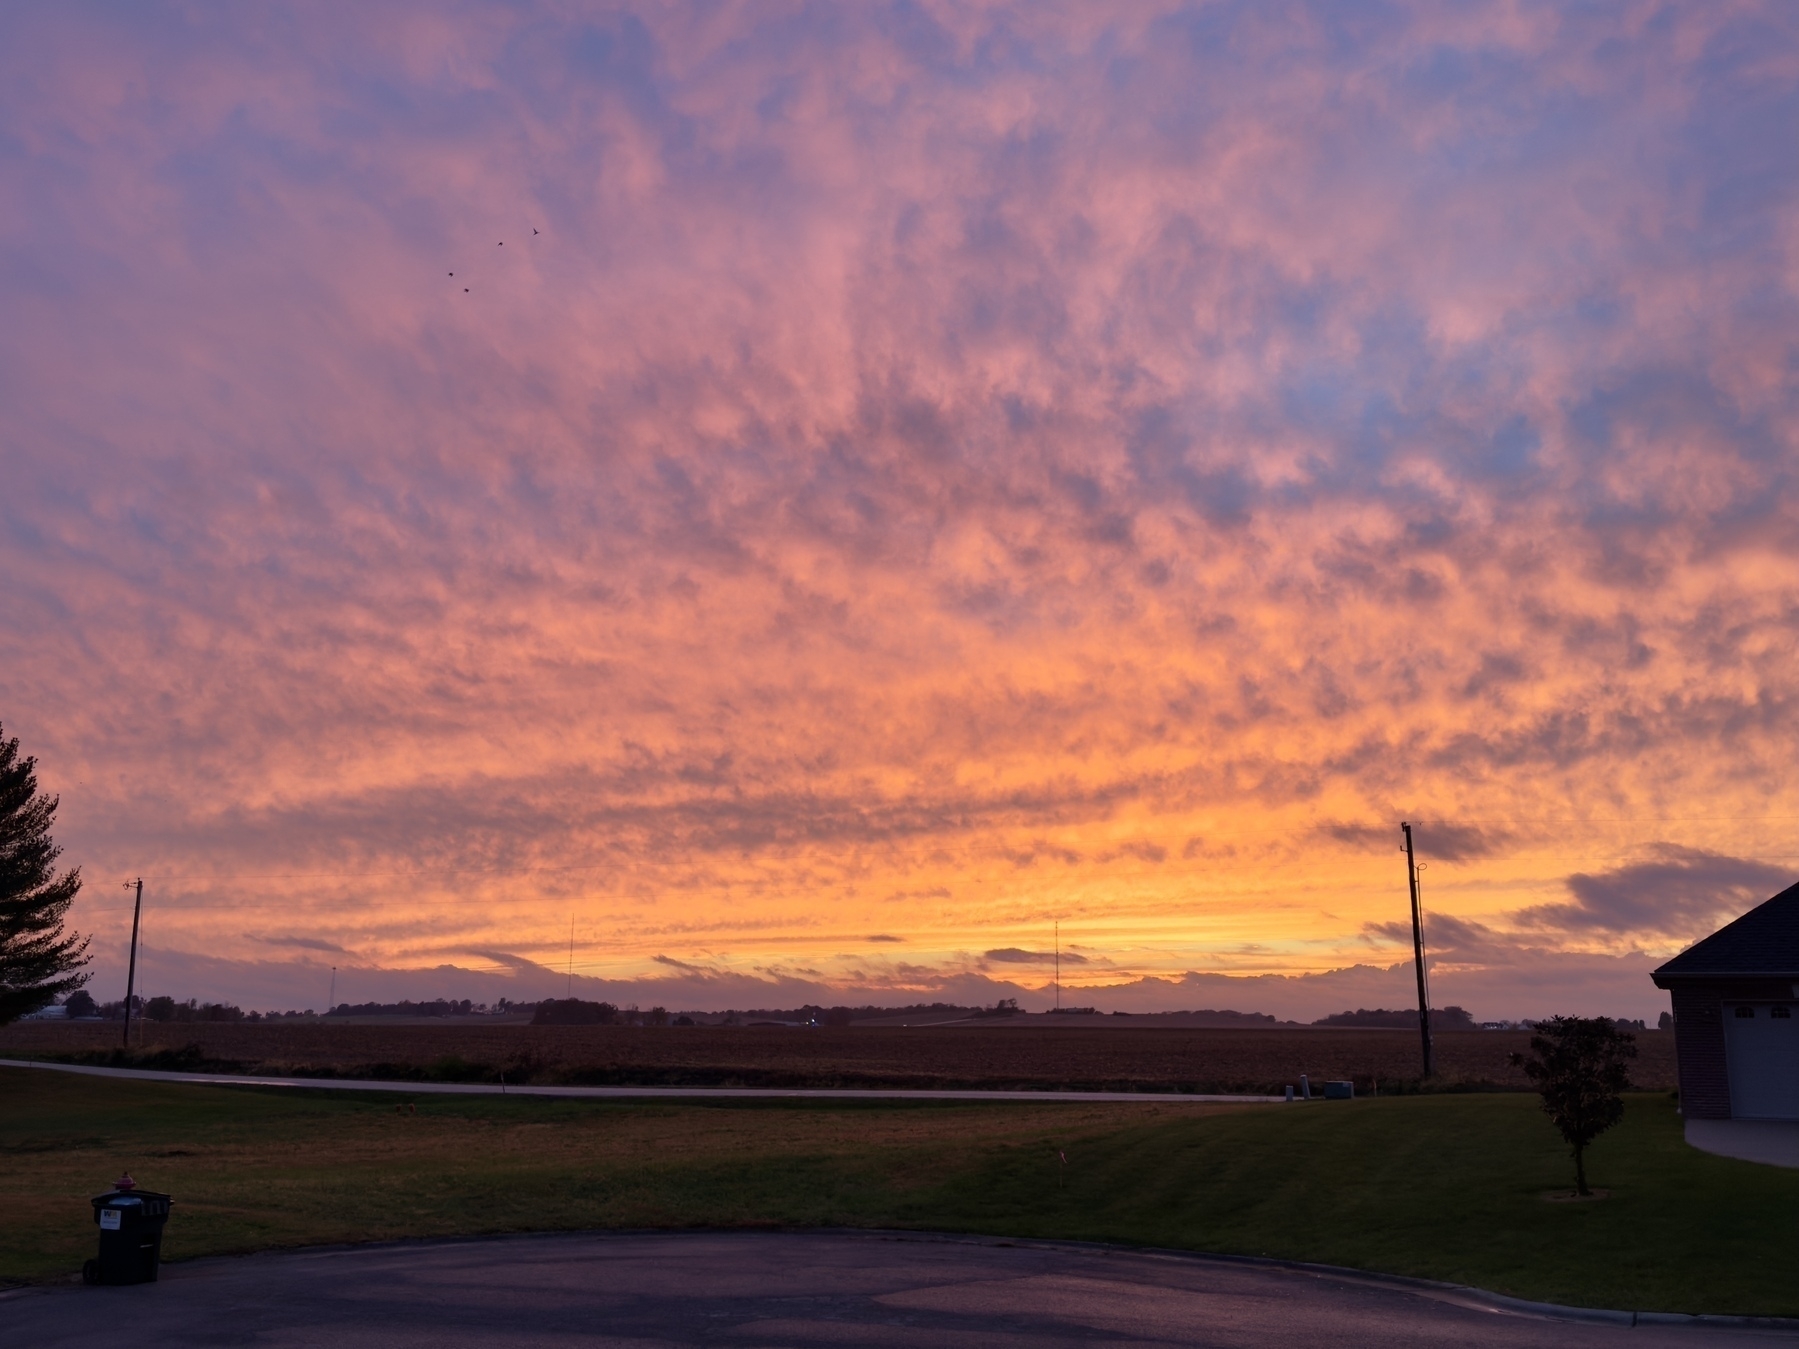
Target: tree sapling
[[1579, 1067]]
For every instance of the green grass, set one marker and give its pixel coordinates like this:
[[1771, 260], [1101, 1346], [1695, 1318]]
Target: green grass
[[1447, 1188], [1444, 1187]]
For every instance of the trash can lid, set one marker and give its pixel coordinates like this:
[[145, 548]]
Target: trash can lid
[[114, 1199]]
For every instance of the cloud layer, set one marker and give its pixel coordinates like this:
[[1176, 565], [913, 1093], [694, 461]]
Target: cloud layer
[[908, 469]]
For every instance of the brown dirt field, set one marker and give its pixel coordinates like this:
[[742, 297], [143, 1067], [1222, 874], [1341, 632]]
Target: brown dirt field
[[1074, 1058]]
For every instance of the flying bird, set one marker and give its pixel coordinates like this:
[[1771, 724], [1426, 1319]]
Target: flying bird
[[536, 231]]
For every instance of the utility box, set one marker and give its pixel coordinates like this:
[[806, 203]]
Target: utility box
[[1339, 1091], [130, 1223]]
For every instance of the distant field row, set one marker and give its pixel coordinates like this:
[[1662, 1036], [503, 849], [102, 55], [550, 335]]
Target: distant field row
[[1074, 1058]]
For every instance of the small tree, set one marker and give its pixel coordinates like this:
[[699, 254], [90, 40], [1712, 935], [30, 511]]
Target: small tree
[[38, 963], [1578, 1064]]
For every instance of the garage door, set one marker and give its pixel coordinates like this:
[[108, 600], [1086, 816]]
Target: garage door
[[1763, 1042]]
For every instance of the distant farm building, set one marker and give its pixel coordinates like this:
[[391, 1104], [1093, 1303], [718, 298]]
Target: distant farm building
[[1736, 1030]]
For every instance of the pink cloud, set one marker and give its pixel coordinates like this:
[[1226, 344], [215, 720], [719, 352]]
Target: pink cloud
[[958, 452]]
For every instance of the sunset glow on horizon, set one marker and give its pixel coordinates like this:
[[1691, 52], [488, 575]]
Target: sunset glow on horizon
[[809, 498]]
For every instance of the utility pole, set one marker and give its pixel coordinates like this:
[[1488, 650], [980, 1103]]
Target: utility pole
[[1058, 964], [137, 912], [571, 957], [1411, 871], [331, 1001]]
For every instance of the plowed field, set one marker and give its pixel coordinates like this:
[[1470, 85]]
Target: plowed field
[[1098, 1057]]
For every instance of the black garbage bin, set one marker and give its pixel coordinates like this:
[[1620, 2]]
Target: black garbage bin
[[130, 1223]]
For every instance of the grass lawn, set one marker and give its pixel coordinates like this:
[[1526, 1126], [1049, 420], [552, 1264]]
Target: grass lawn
[[1447, 1187]]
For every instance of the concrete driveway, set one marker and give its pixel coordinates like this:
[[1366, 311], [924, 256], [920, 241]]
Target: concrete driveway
[[756, 1289]]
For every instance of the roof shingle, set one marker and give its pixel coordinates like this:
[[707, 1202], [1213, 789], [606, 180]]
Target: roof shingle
[[1763, 941]]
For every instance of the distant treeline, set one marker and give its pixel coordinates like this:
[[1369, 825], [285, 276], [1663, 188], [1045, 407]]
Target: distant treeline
[[1210, 1018], [580, 1012], [441, 1007], [81, 1004], [842, 1016], [1441, 1018]]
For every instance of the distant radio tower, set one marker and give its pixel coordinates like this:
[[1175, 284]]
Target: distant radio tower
[[1058, 964]]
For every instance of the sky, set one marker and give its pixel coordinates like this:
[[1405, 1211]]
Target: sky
[[735, 505]]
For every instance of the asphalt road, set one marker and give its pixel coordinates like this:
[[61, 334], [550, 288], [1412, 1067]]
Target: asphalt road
[[638, 1093], [791, 1289]]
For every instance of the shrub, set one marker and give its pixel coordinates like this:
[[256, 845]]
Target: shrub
[[574, 1012]]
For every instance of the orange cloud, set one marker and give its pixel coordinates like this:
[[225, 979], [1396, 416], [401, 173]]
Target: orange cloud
[[927, 471]]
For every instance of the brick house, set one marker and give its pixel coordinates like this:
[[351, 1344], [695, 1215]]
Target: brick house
[[1736, 1024]]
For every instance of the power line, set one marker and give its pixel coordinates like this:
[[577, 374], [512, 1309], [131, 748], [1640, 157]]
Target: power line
[[1523, 850], [182, 903], [1465, 820], [1458, 822], [386, 875]]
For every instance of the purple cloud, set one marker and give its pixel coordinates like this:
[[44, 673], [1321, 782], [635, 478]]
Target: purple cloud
[[956, 454]]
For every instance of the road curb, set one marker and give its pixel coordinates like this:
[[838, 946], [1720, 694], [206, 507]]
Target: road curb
[[1465, 1293]]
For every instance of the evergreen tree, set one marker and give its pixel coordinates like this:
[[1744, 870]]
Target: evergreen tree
[[38, 963]]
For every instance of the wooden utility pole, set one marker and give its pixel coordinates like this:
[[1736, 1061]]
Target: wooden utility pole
[[137, 912], [1411, 871]]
